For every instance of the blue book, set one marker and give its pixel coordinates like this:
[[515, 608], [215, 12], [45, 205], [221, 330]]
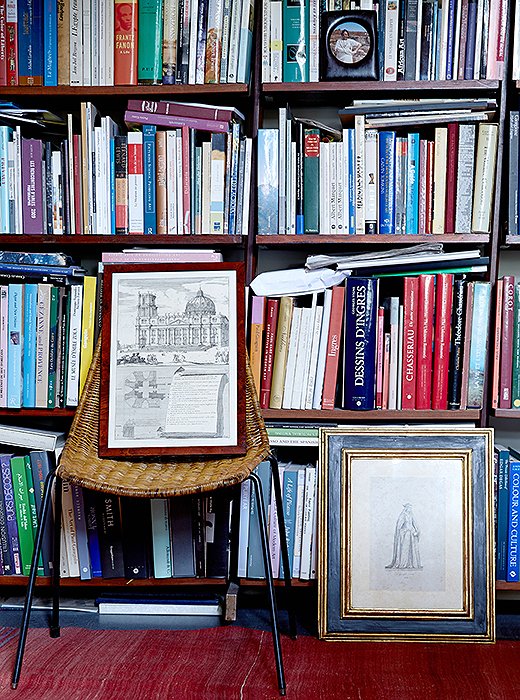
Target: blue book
[[10, 513], [30, 45], [161, 542], [267, 174], [478, 348], [5, 137], [351, 185], [513, 569], [290, 489], [412, 187], [451, 9], [469, 66], [50, 43], [29, 346], [501, 510], [14, 346], [92, 533], [80, 520], [234, 184], [255, 559], [150, 210], [40, 469], [360, 343], [387, 182]]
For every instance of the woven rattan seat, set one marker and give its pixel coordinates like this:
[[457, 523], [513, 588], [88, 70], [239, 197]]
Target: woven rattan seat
[[81, 464]]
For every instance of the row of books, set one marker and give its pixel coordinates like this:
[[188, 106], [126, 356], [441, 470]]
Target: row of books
[[376, 181], [125, 42], [417, 40], [507, 492], [416, 343], [46, 339], [299, 483], [191, 179], [505, 391]]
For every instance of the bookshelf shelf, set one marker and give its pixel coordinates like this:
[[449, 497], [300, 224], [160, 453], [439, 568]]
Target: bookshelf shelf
[[507, 413], [72, 582], [378, 239], [512, 241], [37, 412], [340, 415], [160, 91], [120, 241], [507, 586]]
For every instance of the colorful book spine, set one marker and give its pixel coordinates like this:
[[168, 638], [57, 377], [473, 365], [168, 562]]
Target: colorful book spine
[[267, 177], [412, 185], [296, 41], [281, 349], [425, 341], [33, 513], [40, 469], [506, 352], [42, 344], [217, 178], [149, 179], [30, 45], [360, 343], [333, 348], [149, 45], [409, 370], [271, 320], [457, 343], [23, 517], [451, 182], [74, 345], [441, 355], [53, 348], [256, 337], [50, 42], [11, 17], [125, 42], [502, 457], [479, 344], [255, 563], [89, 500], [88, 320], [246, 41], [80, 520], [513, 569], [29, 346], [10, 513], [32, 184], [387, 182], [135, 183], [515, 360], [15, 346]]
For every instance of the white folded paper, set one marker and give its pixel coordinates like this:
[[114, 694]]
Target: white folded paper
[[296, 282]]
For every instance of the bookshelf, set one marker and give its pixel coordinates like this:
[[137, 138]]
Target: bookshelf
[[260, 251]]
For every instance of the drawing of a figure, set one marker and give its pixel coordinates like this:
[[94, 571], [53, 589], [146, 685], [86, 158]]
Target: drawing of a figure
[[406, 541]]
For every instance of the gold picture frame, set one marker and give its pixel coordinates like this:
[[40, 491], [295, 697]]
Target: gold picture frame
[[406, 534]]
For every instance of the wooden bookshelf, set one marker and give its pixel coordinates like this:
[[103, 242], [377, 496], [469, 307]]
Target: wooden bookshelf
[[513, 413], [338, 415], [369, 240], [100, 242]]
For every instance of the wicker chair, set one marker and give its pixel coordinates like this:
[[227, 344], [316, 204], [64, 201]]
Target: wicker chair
[[81, 465]]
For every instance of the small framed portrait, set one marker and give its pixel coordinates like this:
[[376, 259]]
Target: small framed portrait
[[348, 46], [406, 534], [173, 363]]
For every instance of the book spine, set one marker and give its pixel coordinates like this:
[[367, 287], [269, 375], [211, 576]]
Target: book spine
[[149, 179], [506, 354], [311, 180], [360, 343], [359, 134], [33, 514], [80, 522], [513, 570], [11, 17], [246, 41], [465, 174], [125, 42], [53, 348], [255, 563], [281, 349], [21, 502], [391, 39], [410, 299], [39, 461], [161, 541], [387, 182], [412, 184], [479, 344], [88, 316], [423, 213], [217, 179], [50, 42], [135, 183], [425, 341], [10, 513], [74, 345], [484, 177], [443, 308], [6, 566], [371, 181], [15, 346], [32, 203], [111, 546], [295, 41], [515, 369], [42, 344], [451, 182], [333, 348], [4, 343], [89, 500], [502, 456], [149, 45], [457, 344], [439, 180], [271, 321], [30, 49]]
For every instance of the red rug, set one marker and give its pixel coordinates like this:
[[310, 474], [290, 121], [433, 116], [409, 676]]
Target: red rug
[[232, 662]]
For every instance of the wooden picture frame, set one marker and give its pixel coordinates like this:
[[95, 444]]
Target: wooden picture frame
[[173, 360], [406, 534]]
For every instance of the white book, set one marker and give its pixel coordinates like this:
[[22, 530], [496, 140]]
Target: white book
[[99, 185], [192, 54], [439, 179], [76, 304], [10, 187], [76, 40], [276, 42], [289, 170], [206, 186], [340, 187], [292, 356], [152, 608], [309, 505], [69, 529], [226, 30], [359, 134], [324, 188], [314, 38], [247, 187], [234, 41], [331, 204], [109, 45], [394, 352], [33, 438], [313, 360], [171, 174], [456, 42], [246, 40], [86, 47], [180, 210], [392, 11], [478, 39], [93, 50], [465, 173], [64, 564], [371, 180], [305, 339], [243, 533], [103, 38], [298, 525], [282, 166], [72, 184], [400, 358], [419, 41], [17, 141], [484, 178], [135, 187], [345, 192], [443, 41], [322, 350], [274, 533]]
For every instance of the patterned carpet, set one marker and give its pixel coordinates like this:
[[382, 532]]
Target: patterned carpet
[[229, 663]]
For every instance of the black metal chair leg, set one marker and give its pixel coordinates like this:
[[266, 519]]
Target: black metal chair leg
[[270, 583], [56, 558], [284, 551], [32, 577]]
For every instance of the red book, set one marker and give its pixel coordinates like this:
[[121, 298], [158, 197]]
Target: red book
[[411, 300], [12, 43], [186, 109], [441, 354], [506, 354], [495, 388], [333, 348], [423, 390], [467, 336], [186, 207], [125, 42], [429, 186], [380, 356], [271, 320], [451, 179]]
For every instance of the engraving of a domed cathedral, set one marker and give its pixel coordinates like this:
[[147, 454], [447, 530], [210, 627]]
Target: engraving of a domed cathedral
[[198, 327]]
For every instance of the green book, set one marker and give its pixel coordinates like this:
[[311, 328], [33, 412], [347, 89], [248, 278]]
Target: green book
[[515, 378], [295, 41], [23, 512], [32, 506], [149, 55], [311, 180]]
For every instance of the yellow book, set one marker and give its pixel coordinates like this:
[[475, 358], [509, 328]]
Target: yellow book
[[88, 320], [281, 349], [255, 339]]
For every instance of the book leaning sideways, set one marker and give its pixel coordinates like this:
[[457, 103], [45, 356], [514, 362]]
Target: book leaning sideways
[[32, 438]]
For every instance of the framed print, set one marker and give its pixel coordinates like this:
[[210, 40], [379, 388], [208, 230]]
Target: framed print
[[173, 360], [348, 45], [406, 534]]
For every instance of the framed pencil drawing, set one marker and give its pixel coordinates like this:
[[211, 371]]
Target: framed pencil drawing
[[406, 534], [173, 360]]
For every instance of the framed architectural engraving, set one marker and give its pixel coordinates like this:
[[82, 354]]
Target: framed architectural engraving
[[406, 534], [173, 360]]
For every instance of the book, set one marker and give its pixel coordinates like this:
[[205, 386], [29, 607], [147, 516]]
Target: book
[[411, 322], [425, 341], [137, 535], [484, 177], [161, 538], [502, 457], [149, 44], [478, 344], [204, 605], [512, 567], [506, 351], [181, 517], [40, 466], [442, 334], [271, 321], [256, 337], [10, 514], [23, 517], [125, 42], [333, 348], [88, 316], [108, 517], [281, 350], [255, 562]]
